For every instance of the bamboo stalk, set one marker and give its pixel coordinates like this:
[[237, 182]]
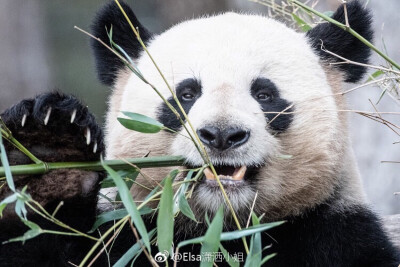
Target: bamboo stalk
[[42, 168]]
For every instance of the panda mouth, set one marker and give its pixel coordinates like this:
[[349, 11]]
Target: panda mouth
[[226, 174]]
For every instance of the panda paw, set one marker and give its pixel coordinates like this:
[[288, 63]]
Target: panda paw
[[56, 128]]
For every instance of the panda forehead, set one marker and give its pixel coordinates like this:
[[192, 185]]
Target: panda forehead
[[230, 48], [229, 38]]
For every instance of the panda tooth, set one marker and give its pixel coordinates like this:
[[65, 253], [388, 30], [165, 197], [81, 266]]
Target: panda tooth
[[46, 119], [239, 174], [73, 115], [208, 173], [87, 134], [23, 120], [95, 147]]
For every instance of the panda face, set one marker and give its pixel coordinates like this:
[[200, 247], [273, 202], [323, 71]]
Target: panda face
[[232, 74], [227, 71]]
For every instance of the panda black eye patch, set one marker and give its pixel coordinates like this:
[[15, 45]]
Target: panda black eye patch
[[266, 93], [187, 92]]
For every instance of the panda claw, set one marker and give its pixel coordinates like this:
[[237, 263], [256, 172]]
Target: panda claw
[[95, 147], [23, 120], [73, 115], [46, 119], [87, 135]]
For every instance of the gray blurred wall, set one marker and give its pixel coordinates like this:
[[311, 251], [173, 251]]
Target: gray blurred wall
[[40, 51]]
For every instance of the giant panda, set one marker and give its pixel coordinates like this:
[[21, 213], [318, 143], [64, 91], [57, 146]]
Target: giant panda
[[232, 73]]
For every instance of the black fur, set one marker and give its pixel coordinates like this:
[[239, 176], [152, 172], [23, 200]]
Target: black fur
[[166, 116], [321, 236], [110, 15], [59, 127], [325, 237], [59, 140], [50, 250], [343, 43], [274, 103]]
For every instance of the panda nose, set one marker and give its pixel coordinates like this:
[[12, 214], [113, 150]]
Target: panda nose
[[223, 139]]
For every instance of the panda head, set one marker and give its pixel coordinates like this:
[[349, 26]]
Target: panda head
[[233, 74]]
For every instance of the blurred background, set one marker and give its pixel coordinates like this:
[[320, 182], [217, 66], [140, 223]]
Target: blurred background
[[41, 51]]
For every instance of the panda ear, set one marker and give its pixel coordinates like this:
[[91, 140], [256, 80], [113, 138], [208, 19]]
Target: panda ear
[[342, 43], [107, 63]]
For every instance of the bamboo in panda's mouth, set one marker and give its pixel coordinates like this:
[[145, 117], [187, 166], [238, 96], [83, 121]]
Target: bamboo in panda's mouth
[[235, 174]]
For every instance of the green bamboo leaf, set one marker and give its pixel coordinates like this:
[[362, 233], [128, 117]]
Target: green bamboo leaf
[[20, 208], [375, 75], [10, 199], [31, 225], [268, 257], [180, 201], [6, 165], [140, 123], [181, 191], [248, 231], [132, 65], [108, 216], [165, 218], [129, 177], [211, 240], [115, 215], [34, 231], [381, 96], [135, 250], [227, 236], [28, 235], [254, 219], [228, 258], [139, 126], [255, 254], [302, 24], [185, 208], [142, 118], [172, 174], [130, 205]]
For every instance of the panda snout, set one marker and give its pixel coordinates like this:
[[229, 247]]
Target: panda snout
[[223, 139]]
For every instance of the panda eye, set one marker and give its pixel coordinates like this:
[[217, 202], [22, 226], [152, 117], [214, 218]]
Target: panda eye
[[188, 97], [264, 97], [188, 90]]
